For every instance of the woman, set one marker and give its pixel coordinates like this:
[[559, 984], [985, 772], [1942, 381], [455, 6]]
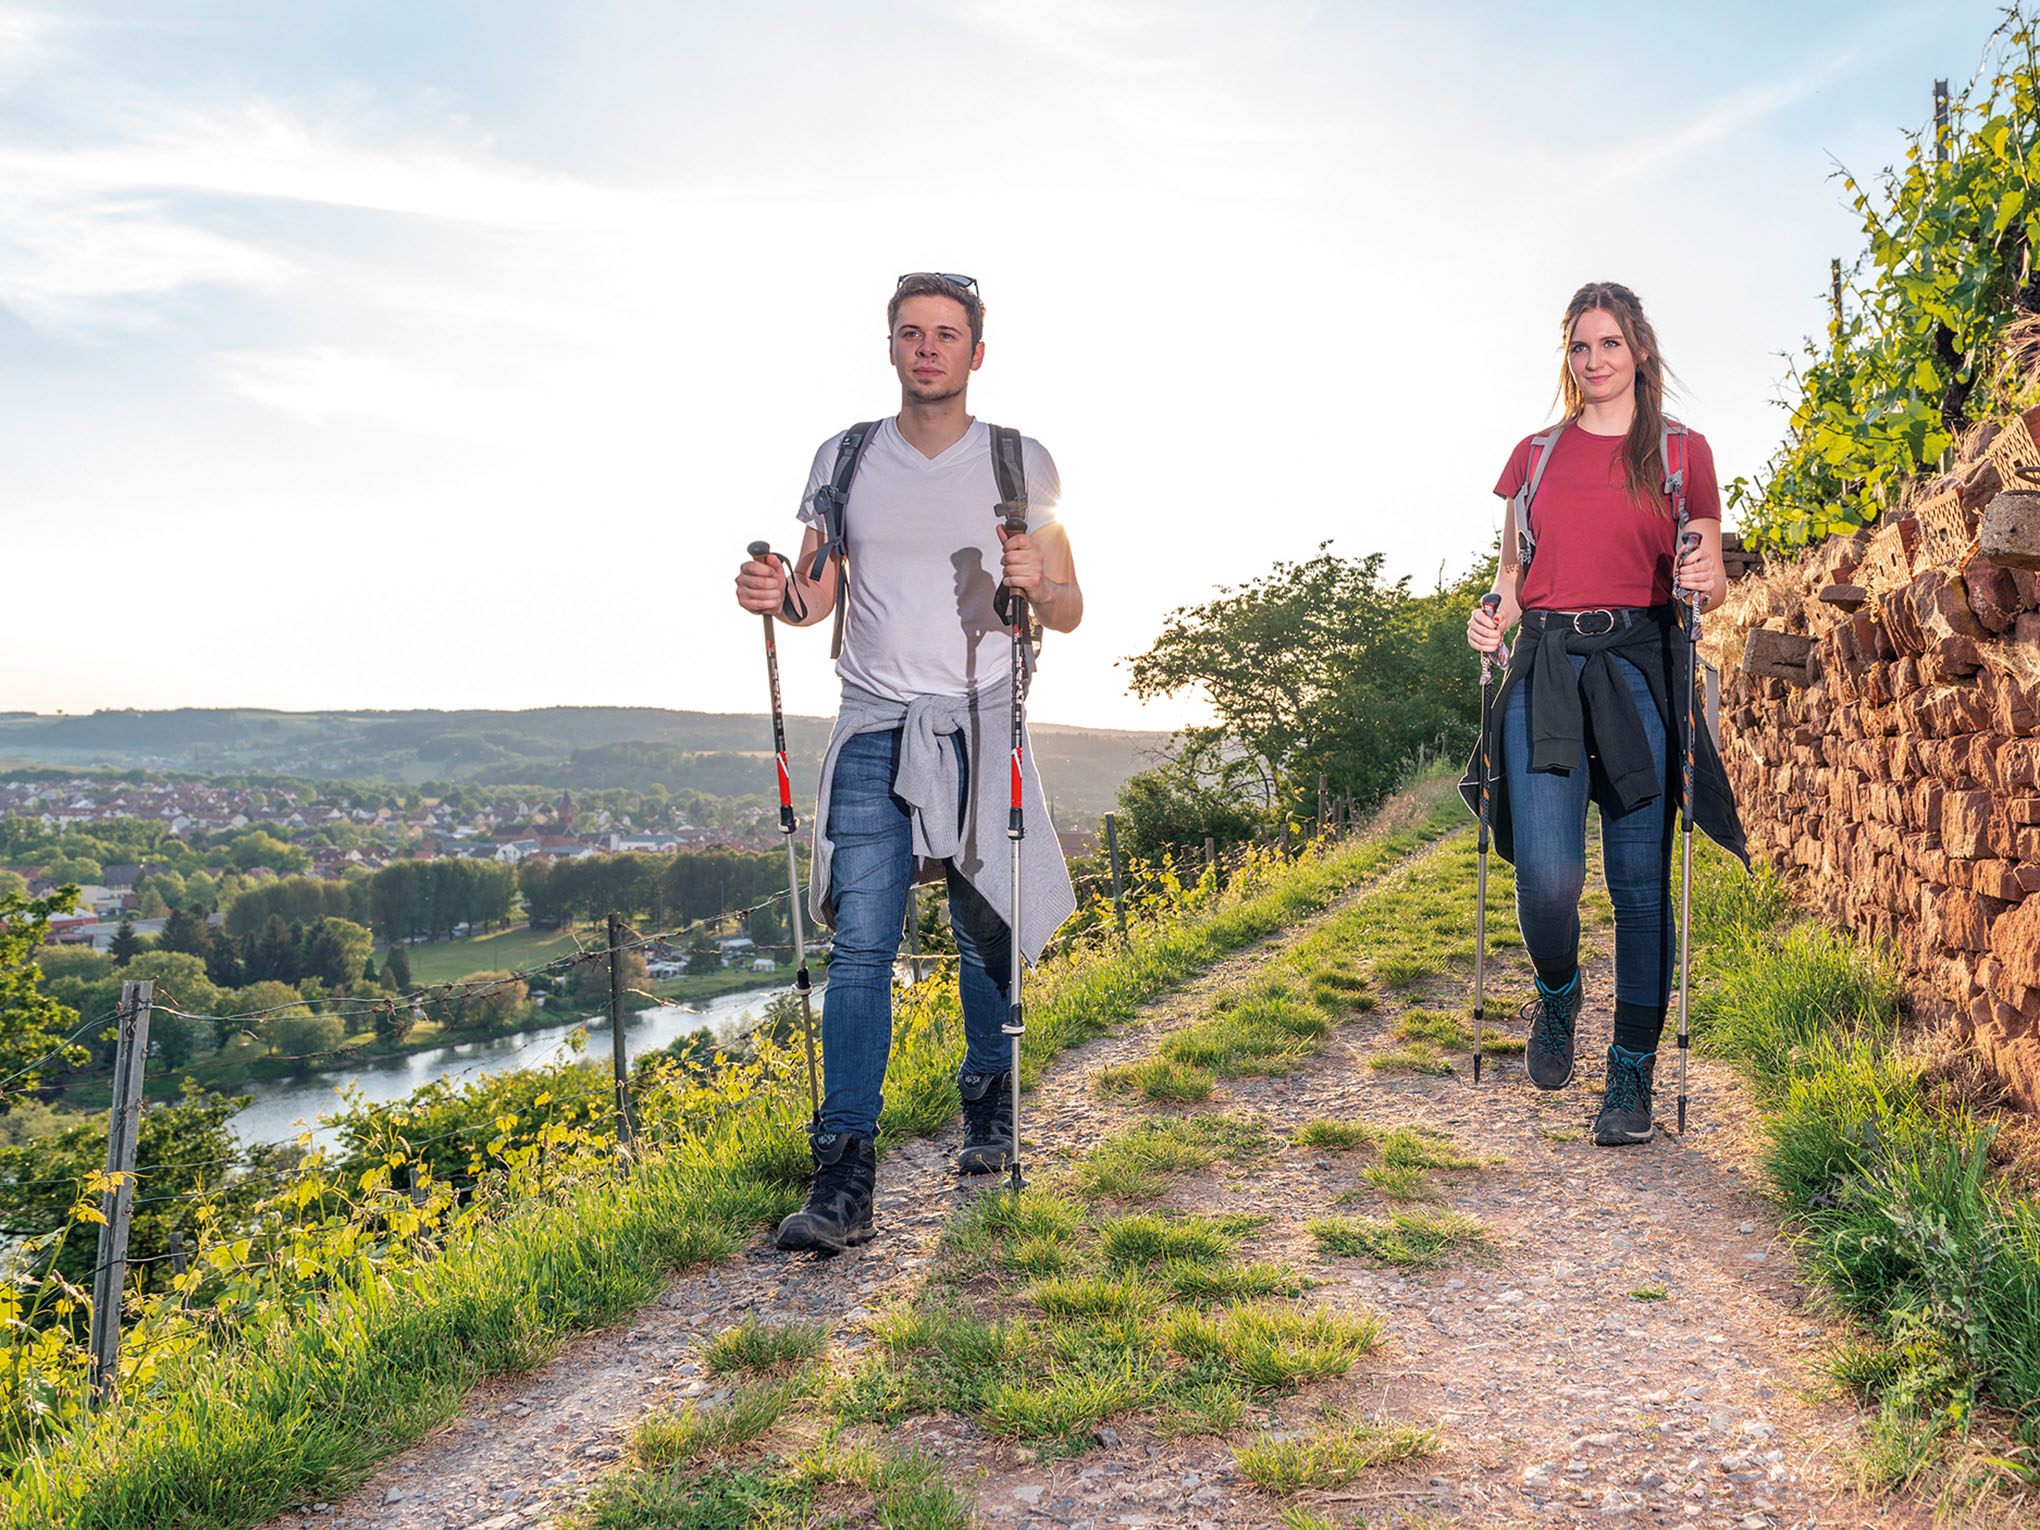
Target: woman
[[1593, 706]]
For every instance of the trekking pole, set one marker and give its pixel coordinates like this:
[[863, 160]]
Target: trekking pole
[[1687, 542], [761, 551], [1490, 603], [1016, 830]]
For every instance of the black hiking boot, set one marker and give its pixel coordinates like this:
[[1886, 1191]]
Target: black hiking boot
[[838, 1210], [1549, 1055], [1624, 1119], [987, 1122]]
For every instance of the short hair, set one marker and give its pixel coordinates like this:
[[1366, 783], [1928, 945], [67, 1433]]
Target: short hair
[[928, 284]]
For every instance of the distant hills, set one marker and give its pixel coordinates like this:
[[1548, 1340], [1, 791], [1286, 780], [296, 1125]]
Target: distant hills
[[558, 748]]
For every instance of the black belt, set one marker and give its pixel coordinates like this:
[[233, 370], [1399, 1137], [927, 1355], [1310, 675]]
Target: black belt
[[1598, 622]]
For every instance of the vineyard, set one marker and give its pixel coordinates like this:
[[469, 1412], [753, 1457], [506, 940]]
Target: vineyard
[[1935, 325]]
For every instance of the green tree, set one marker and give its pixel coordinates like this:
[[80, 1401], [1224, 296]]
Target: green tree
[[334, 951], [275, 956], [1322, 666], [300, 1034], [396, 972], [125, 943], [1195, 793], [80, 870], [34, 1028], [12, 884], [258, 847]]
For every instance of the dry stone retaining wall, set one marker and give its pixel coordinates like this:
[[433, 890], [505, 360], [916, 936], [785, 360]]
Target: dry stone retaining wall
[[1880, 721]]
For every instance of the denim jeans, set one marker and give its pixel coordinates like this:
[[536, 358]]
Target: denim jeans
[[873, 867], [1549, 812]]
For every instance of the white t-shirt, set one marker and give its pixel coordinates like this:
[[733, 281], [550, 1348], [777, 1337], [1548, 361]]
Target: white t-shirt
[[924, 561]]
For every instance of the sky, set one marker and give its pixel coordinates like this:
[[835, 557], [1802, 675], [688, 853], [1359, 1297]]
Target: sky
[[415, 354]]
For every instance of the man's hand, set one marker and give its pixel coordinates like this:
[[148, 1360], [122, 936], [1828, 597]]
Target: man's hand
[[761, 586], [1021, 565]]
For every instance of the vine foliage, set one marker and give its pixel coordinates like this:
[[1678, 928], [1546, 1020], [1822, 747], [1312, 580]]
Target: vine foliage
[[1925, 343]]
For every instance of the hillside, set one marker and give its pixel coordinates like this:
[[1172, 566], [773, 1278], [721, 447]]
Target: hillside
[[557, 748]]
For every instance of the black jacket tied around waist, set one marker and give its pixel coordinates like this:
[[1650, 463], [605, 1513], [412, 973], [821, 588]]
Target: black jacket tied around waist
[[1595, 710]]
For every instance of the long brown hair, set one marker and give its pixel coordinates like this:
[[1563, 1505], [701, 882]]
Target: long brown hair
[[1642, 457]]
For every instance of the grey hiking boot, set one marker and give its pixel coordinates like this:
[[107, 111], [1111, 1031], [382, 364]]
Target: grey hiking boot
[[1549, 1055], [838, 1210], [1625, 1109], [987, 1122]]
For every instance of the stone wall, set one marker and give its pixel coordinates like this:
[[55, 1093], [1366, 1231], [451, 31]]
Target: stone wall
[[1880, 720]]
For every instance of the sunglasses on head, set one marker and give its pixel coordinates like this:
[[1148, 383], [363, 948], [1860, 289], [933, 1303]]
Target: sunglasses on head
[[968, 283]]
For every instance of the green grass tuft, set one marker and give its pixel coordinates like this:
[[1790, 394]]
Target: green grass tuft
[[1142, 1161], [1408, 1239], [1336, 1134], [1330, 1458], [667, 1439], [758, 1347]]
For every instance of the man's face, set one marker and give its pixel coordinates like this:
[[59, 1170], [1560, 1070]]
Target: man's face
[[931, 349]]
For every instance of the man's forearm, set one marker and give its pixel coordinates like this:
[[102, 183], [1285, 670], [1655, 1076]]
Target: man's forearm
[[1058, 607]]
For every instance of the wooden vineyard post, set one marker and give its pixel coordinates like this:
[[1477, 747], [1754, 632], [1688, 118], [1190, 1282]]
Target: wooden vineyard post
[[1118, 884], [616, 1046], [109, 1274]]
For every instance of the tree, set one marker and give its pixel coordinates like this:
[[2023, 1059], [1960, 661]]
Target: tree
[[80, 870], [274, 959], [186, 930], [396, 972], [1193, 795], [180, 979], [334, 951], [125, 943], [34, 1028], [393, 1022], [486, 1001], [151, 905], [299, 1033], [13, 884], [258, 847], [1324, 665]]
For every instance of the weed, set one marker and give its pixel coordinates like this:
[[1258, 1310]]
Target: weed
[[1651, 1293], [1410, 1239], [1294, 1518], [1124, 1296], [1227, 1283], [1202, 1407]]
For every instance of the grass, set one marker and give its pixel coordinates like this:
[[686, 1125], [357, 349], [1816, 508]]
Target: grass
[[852, 1481], [1412, 1057], [1265, 1033], [1400, 1182], [1159, 1079], [670, 1438], [1270, 1347], [1651, 1293], [1337, 1135], [1331, 1456], [1434, 1026], [1142, 1161], [1403, 970], [1416, 1240], [758, 1347], [235, 1436]]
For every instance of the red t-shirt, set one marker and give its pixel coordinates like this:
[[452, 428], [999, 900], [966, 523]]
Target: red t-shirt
[[1595, 546]]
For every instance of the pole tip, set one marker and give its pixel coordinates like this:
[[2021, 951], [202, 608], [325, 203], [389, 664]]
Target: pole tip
[[1682, 1115], [1476, 1067]]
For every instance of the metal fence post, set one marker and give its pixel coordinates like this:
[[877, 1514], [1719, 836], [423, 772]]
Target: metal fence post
[[109, 1275], [616, 1047], [1118, 886]]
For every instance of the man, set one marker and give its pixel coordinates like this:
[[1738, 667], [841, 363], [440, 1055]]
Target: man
[[916, 768]]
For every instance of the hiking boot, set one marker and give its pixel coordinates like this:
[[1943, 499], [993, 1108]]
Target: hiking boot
[[987, 1122], [838, 1210], [1625, 1108], [1549, 1055]]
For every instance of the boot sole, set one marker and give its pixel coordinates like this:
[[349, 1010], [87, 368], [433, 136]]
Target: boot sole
[[984, 1160], [1624, 1139], [1552, 1088], [796, 1240]]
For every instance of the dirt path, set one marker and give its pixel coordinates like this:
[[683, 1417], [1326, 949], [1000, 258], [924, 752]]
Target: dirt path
[[1631, 1345]]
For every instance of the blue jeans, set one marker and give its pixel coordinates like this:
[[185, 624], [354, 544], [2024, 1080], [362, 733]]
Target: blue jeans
[[873, 866], [1549, 813]]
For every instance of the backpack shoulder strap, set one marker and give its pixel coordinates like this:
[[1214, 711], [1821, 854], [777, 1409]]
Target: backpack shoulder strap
[[1672, 454], [1009, 467], [832, 499], [1541, 448]]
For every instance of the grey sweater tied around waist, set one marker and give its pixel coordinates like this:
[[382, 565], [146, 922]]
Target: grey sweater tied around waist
[[926, 782]]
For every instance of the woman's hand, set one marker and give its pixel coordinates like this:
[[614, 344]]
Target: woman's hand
[[1484, 631]]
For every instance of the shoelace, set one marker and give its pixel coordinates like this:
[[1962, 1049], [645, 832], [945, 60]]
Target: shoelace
[[1625, 1085], [1554, 1008]]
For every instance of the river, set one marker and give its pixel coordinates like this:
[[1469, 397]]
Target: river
[[281, 1108]]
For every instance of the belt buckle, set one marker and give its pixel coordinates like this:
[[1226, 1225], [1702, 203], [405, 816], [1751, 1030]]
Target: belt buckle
[[1602, 611]]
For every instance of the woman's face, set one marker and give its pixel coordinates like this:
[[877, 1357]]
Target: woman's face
[[1600, 359]]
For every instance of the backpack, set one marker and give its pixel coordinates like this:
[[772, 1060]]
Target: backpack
[[833, 498], [1541, 448]]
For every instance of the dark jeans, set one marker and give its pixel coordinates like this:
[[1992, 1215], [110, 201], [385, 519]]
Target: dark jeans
[[1550, 815], [871, 871]]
